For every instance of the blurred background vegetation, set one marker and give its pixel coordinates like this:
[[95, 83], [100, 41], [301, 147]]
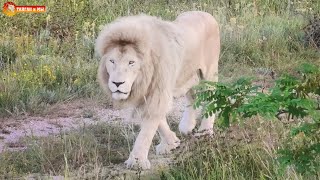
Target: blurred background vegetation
[[49, 57]]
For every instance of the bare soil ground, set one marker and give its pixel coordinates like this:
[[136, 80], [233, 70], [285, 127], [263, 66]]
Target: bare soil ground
[[65, 117], [69, 116]]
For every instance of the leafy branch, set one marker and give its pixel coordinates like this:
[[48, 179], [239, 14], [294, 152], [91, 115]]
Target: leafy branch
[[294, 95]]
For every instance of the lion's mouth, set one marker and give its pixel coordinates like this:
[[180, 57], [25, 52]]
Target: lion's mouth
[[120, 92]]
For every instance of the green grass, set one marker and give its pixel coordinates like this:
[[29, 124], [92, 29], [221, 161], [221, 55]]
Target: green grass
[[243, 152], [49, 58], [82, 151], [98, 151]]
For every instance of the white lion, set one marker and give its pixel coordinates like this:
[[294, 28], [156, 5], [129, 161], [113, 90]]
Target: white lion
[[146, 61]]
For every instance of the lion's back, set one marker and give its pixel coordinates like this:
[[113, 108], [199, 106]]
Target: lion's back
[[202, 45]]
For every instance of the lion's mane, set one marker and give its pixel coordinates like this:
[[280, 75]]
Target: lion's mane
[[152, 84]]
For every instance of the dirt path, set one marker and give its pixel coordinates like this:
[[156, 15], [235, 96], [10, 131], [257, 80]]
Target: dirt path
[[63, 117]]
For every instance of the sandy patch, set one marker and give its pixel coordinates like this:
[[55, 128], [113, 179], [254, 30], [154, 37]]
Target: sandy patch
[[65, 117]]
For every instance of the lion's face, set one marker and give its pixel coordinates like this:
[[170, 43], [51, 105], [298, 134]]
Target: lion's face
[[123, 66]]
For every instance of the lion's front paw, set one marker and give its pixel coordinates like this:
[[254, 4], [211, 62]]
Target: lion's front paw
[[133, 162], [165, 148]]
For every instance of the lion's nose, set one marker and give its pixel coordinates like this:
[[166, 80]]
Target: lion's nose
[[117, 83]]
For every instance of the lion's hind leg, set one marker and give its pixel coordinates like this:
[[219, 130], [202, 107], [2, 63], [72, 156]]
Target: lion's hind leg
[[206, 126], [188, 121]]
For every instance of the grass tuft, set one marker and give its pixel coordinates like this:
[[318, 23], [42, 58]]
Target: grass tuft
[[81, 151], [49, 58]]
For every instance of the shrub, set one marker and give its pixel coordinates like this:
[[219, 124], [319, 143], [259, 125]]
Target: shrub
[[294, 95]]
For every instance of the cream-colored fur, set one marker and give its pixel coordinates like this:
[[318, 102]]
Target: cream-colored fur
[[146, 61]]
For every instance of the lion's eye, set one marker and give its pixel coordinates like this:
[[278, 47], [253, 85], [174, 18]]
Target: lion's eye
[[131, 62], [112, 61]]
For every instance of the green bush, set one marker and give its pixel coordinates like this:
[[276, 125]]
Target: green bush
[[294, 95]]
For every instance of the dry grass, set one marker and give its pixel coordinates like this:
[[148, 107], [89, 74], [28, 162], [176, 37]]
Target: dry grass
[[49, 58]]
